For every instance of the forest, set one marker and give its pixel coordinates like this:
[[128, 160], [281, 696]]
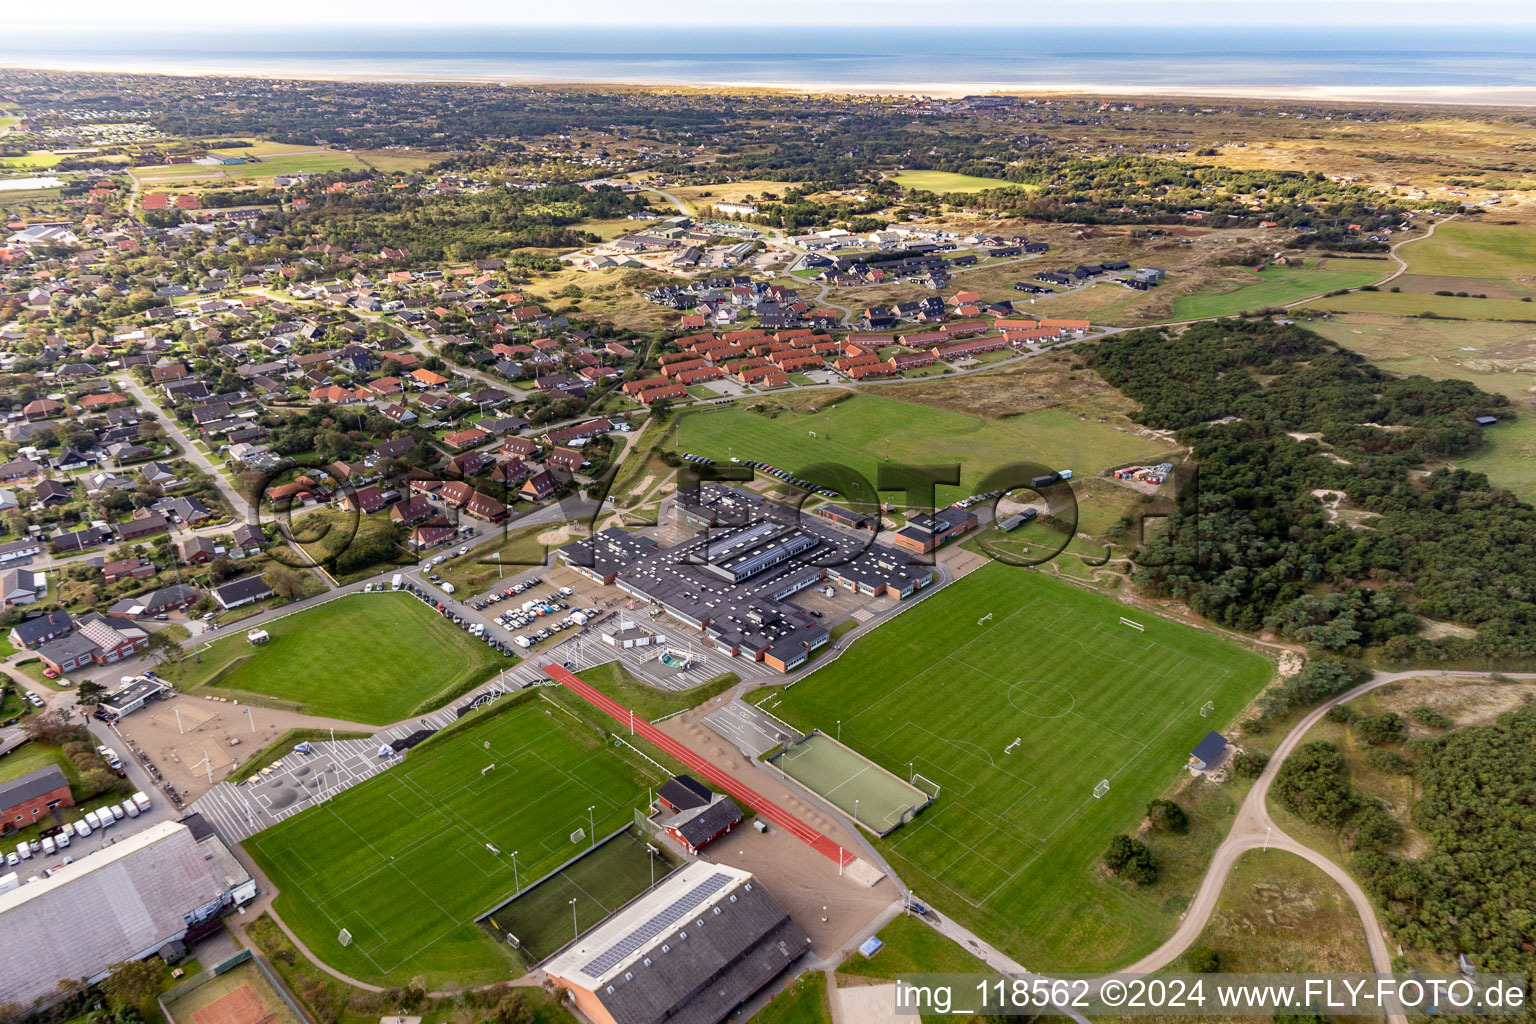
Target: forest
[[1471, 892], [1274, 414]]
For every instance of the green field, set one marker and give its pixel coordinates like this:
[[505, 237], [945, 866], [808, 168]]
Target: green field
[[370, 658], [1276, 286], [401, 860], [1469, 248], [1011, 845], [1415, 303], [943, 181], [859, 432], [37, 159]]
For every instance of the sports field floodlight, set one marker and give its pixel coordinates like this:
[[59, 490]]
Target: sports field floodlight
[[592, 820], [576, 928], [516, 885]]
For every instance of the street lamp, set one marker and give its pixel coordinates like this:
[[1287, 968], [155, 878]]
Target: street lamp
[[855, 811]]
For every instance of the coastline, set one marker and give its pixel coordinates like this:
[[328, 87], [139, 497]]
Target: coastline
[[1398, 95]]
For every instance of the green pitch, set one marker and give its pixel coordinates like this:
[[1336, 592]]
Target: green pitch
[[1013, 839], [401, 860], [860, 432], [371, 658]]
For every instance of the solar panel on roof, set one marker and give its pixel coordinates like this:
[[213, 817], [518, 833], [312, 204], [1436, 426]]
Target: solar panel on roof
[[655, 925]]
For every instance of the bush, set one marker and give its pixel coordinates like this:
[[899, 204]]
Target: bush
[[1389, 761], [1167, 816], [1131, 860], [1202, 960], [1431, 717], [1341, 713], [1372, 828], [1249, 765], [1382, 730]]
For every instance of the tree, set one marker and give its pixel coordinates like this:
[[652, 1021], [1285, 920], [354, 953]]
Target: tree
[[1312, 783], [1167, 816], [89, 692], [514, 1008], [286, 583], [135, 983], [1131, 860]]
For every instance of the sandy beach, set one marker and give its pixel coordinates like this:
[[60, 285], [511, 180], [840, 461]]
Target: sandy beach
[[1428, 95]]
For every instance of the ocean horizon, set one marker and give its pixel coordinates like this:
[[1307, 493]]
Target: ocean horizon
[[1488, 58]]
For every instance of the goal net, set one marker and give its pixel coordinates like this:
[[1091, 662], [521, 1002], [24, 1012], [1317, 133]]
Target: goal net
[[578, 835], [1101, 788], [344, 937]]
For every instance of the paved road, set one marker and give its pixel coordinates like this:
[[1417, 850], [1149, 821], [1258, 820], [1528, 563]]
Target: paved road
[[190, 451]]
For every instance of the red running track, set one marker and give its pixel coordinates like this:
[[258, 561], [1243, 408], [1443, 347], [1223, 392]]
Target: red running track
[[746, 794]]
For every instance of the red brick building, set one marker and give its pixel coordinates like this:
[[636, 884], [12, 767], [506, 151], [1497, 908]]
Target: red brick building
[[29, 798]]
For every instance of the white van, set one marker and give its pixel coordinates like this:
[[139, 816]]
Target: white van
[[397, 582], [141, 801], [522, 641], [62, 839], [48, 848], [115, 810], [24, 850], [129, 809], [448, 588], [82, 829]]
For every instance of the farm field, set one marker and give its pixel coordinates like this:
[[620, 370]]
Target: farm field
[[291, 161], [1276, 286], [404, 862], [860, 432], [1015, 718], [37, 159], [945, 181], [338, 660]]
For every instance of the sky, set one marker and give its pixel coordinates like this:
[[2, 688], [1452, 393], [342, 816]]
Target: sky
[[89, 15]]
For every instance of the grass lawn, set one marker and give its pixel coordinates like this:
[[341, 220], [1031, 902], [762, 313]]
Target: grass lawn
[[328, 533], [518, 548], [6, 647], [944, 181], [650, 703], [804, 1002], [1012, 843], [31, 756], [402, 860], [1471, 248], [372, 658], [911, 947], [1276, 286], [860, 431]]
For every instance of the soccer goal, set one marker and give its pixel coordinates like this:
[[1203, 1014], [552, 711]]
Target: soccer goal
[[578, 835], [1207, 708], [984, 618], [344, 937], [1132, 624], [1101, 788]]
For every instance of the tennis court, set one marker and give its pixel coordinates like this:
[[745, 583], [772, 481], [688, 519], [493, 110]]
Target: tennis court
[[543, 918], [241, 995], [872, 796]]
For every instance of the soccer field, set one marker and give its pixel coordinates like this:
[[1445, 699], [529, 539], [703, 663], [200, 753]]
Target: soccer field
[[371, 658], [1016, 718], [402, 861], [860, 432]]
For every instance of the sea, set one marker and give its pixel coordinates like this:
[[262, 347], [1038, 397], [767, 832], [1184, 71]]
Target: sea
[[1475, 59]]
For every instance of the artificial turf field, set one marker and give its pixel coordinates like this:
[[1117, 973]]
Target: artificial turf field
[[401, 860], [1013, 839], [371, 658]]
